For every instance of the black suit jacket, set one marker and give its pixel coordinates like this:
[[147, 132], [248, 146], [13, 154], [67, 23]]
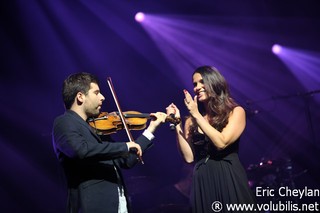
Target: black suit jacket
[[89, 164]]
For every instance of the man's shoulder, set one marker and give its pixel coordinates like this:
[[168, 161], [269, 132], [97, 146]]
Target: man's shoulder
[[67, 116]]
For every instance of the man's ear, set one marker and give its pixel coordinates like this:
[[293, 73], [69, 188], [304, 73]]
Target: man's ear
[[80, 98]]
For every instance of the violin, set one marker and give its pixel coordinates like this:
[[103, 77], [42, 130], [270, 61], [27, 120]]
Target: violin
[[124, 121], [108, 123]]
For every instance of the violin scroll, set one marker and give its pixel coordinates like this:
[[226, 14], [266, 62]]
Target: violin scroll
[[173, 120]]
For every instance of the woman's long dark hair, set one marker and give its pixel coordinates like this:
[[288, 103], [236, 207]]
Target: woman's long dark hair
[[220, 102]]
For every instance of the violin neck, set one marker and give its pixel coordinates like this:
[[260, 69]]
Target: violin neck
[[133, 115]]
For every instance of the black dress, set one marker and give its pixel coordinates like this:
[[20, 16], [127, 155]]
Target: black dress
[[218, 176]]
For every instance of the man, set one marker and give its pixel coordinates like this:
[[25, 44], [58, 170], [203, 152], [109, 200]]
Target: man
[[92, 166]]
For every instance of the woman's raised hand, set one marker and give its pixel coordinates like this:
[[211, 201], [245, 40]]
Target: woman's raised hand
[[172, 109]]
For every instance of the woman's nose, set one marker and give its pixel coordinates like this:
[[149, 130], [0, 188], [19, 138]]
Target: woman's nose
[[197, 87]]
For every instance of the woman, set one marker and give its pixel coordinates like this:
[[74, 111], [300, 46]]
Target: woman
[[210, 139]]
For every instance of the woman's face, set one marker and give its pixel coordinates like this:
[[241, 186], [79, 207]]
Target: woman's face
[[198, 88]]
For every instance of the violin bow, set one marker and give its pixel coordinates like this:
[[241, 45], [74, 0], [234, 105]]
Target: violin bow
[[121, 113]]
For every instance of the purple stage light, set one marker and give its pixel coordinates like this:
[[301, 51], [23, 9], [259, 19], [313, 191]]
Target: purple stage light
[[276, 49], [139, 17]]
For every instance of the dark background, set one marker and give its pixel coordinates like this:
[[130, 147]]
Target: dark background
[[42, 42]]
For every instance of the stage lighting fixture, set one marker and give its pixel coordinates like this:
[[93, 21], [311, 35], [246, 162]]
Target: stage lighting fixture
[[276, 48], [139, 17]]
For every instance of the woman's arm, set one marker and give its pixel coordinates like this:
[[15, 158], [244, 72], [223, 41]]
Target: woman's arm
[[184, 141], [182, 135]]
